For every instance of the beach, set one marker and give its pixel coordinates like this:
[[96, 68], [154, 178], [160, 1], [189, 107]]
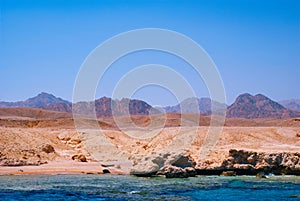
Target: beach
[[61, 167]]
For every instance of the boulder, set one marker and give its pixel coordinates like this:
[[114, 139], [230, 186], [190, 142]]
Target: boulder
[[145, 169], [105, 171], [175, 172], [243, 166], [47, 148], [64, 137], [191, 171], [178, 172], [228, 173], [74, 141], [79, 158], [261, 175]]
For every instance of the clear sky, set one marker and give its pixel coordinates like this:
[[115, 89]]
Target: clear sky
[[255, 44]]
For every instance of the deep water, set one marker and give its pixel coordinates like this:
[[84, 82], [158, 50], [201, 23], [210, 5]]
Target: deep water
[[114, 187]]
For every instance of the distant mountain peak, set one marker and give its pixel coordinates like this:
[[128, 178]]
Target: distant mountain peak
[[292, 104], [258, 106], [195, 105], [245, 95], [44, 94], [41, 100]]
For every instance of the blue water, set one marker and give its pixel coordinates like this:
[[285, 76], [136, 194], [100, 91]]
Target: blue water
[[114, 187]]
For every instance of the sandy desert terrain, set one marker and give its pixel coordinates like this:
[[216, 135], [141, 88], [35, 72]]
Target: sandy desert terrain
[[39, 141]]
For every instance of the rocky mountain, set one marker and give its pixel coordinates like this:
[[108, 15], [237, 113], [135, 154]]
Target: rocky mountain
[[292, 104], [41, 100], [59, 107], [258, 106], [106, 107], [195, 105], [103, 106]]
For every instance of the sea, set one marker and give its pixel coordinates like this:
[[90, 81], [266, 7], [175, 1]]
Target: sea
[[124, 187]]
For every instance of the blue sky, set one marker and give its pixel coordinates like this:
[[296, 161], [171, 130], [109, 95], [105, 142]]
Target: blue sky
[[254, 44]]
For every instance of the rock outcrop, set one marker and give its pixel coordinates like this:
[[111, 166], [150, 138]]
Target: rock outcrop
[[276, 163], [171, 165], [171, 171], [22, 157], [74, 142], [244, 162]]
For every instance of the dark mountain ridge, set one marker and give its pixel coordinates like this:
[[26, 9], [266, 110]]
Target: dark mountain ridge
[[258, 106]]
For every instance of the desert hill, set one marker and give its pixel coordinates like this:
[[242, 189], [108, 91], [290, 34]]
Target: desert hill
[[38, 118], [32, 113]]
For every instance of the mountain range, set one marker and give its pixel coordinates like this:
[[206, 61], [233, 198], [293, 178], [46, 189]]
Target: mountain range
[[195, 105], [102, 106], [292, 104], [245, 106], [106, 107]]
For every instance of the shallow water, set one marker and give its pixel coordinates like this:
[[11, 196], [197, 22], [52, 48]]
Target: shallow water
[[115, 187]]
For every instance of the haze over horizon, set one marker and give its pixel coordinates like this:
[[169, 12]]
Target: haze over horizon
[[255, 45]]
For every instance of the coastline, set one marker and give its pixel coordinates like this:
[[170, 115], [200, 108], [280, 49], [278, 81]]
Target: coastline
[[238, 162], [53, 149]]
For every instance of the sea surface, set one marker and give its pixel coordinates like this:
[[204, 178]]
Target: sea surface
[[116, 187]]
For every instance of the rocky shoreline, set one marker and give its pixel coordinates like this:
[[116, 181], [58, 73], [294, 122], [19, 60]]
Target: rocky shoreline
[[250, 162], [173, 165], [239, 162], [239, 151]]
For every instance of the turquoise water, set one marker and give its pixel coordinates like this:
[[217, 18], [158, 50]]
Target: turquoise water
[[114, 187]]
